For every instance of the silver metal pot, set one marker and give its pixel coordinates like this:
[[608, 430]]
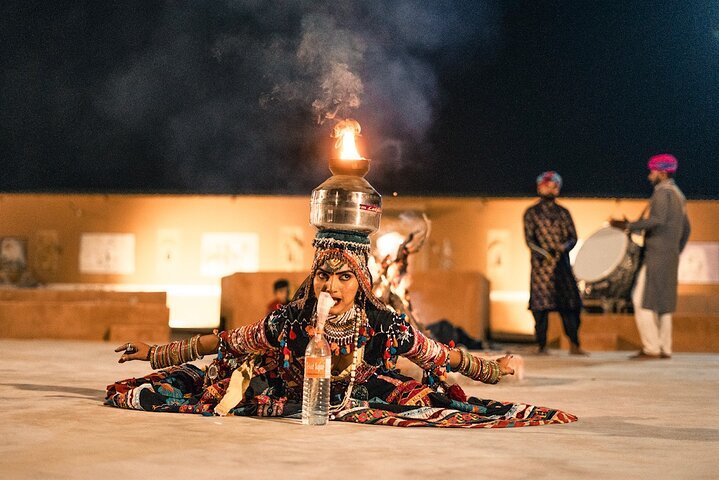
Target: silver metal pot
[[346, 201]]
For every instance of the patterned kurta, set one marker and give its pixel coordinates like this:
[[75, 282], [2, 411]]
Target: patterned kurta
[[381, 395], [550, 234]]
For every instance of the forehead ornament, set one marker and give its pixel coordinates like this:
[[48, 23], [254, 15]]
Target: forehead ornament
[[333, 264]]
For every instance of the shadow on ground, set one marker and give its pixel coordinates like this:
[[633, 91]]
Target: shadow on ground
[[91, 393], [635, 427]]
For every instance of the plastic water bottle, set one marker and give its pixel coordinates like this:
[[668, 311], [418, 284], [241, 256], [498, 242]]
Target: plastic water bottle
[[318, 366]]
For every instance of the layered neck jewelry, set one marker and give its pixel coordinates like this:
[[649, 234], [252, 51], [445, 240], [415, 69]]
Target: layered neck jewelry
[[358, 319], [343, 334], [340, 329]]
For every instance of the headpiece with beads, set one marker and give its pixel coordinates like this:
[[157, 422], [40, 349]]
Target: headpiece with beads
[[352, 248]]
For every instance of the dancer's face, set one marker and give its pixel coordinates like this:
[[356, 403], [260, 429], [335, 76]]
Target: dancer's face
[[337, 279]]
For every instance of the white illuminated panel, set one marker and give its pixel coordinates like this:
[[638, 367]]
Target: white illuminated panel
[[291, 252], [107, 253], [699, 263], [226, 253]]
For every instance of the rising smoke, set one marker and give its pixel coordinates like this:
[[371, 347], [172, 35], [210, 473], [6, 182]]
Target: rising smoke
[[241, 96]]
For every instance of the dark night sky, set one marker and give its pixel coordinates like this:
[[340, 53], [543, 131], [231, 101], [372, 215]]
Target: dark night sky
[[455, 98]]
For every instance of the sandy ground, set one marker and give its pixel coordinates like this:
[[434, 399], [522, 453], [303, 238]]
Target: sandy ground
[[652, 419]]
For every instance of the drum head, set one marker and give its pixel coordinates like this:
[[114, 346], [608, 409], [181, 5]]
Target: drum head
[[600, 254]]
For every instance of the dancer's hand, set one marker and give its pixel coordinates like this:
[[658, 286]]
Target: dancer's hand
[[504, 367], [133, 351]]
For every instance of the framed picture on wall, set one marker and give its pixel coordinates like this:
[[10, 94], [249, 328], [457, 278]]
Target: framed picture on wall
[[13, 258], [699, 263], [226, 253], [107, 253]]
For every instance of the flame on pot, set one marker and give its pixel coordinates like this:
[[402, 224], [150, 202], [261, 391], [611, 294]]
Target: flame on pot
[[345, 132]]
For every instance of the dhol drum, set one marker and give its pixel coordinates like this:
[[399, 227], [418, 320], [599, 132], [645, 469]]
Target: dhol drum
[[606, 266]]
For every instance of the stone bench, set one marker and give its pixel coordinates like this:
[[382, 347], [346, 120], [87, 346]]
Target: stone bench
[[692, 332], [84, 315]]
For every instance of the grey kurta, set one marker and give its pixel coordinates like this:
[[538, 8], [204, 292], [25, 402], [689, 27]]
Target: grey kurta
[[666, 232]]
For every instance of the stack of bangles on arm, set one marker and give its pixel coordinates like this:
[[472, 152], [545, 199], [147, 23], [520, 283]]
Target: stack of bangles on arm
[[486, 371], [175, 353]]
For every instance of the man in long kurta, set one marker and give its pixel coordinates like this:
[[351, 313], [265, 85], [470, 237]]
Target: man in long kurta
[[666, 231], [550, 234]]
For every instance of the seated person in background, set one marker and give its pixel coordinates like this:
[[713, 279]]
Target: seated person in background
[[281, 291]]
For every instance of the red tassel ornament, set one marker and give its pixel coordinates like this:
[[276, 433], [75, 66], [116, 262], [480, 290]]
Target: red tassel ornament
[[455, 392]]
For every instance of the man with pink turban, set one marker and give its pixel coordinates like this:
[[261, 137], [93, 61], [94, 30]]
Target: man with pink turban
[[666, 231]]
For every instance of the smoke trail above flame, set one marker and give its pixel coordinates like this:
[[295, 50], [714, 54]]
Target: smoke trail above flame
[[371, 56], [333, 55], [225, 96]]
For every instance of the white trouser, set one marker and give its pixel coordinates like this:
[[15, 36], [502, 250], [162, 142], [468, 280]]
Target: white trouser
[[655, 330]]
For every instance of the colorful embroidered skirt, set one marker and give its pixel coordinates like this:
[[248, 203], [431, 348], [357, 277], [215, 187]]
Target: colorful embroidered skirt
[[388, 399]]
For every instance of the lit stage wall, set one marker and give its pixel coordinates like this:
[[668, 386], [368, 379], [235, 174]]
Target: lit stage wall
[[184, 245]]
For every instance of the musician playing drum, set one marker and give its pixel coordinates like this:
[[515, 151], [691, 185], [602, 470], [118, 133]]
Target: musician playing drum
[[666, 231], [550, 235]]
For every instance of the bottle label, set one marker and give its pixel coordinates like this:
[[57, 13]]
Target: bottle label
[[318, 367]]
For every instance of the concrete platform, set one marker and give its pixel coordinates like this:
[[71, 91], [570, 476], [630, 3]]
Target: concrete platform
[[652, 419]]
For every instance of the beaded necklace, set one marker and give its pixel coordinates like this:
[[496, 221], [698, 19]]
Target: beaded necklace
[[358, 319], [340, 329]]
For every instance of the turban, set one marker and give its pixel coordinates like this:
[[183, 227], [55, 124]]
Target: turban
[[550, 176], [663, 162]]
